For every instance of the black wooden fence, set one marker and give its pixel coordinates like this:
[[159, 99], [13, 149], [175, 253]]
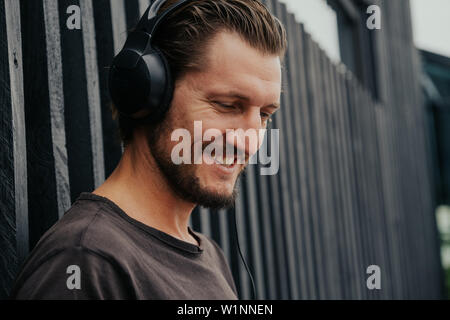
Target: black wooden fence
[[353, 189]]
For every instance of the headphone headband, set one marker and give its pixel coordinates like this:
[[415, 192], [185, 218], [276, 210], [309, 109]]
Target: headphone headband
[[150, 21]]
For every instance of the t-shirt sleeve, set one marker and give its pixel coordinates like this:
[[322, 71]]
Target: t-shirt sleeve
[[73, 274]]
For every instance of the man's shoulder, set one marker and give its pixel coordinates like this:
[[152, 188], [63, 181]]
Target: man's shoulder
[[88, 224]]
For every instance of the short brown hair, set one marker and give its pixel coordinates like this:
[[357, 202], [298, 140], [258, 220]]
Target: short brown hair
[[185, 35]]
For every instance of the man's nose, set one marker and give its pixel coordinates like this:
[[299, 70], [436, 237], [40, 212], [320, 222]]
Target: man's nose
[[246, 133]]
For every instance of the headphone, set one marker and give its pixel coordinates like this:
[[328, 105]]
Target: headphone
[[140, 79]]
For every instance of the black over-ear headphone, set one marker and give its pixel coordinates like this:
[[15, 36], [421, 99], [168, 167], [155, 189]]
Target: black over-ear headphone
[[140, 78]]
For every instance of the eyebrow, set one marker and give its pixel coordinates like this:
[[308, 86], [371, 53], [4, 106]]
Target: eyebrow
[[275, 105]]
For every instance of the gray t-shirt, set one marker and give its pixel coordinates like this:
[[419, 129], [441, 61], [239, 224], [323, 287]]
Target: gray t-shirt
[[96, 246]]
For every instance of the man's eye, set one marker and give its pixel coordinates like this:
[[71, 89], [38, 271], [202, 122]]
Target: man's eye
[[228, 106], [266, 118], [265, 115]]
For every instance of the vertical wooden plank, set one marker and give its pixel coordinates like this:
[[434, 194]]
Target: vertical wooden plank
[[119, 29], [42, 195], [320, 223], [277, 207], [76, 106], [339, 160], [105, 54], [296, 149], [13, 173], [345, 232], [15, 61], [399, 146], [306, 165], [324, 183], [143, 5], [387, 180], [355, 269], [361, 163], [253, 238], [119, 24], [355, 146], [337, 169], [367, 212], [375, 203], [56, 95], [93, 88], [267, 232], [391, 171], [243, 278], [290, 202], [384, 249], [338, 258]]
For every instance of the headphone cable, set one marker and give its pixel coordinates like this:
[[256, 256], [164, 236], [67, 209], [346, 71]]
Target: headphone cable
[[242, 257]]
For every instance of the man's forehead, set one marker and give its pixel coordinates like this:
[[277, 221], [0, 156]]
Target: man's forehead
[[236, 69], [229, 55]]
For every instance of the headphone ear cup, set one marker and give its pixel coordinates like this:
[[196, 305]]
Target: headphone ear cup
[[129, 86], [165, 86], [143, 85]]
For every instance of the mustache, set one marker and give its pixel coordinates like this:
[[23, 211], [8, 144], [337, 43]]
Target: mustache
[[232, 149]]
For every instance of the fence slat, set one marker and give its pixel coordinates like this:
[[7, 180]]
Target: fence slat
[[14, 57], [93, 87], [56, 95]]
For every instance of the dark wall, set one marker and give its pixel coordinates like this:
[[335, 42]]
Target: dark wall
[[353, 189]]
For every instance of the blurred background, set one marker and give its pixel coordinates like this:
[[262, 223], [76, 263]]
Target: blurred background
[[364, 144], [431, 27]]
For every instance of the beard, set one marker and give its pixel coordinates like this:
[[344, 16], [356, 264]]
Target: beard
[[182, 178]]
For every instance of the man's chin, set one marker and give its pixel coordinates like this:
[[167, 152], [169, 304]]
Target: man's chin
[[213, 198]]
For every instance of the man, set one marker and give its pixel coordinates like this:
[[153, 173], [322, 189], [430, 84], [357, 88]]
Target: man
[[130, 239]]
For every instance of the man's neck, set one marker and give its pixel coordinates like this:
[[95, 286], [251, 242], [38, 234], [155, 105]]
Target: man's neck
[[138, 187]]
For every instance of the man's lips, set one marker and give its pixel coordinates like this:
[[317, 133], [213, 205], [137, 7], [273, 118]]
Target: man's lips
[[224, 165]]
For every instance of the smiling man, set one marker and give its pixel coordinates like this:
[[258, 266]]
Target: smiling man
[[130, 239]]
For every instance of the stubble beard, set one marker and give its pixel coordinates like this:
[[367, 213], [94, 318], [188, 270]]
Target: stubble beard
[[182, 178]]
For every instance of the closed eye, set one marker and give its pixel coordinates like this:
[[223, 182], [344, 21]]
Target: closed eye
[[224, 105], [265, 115]]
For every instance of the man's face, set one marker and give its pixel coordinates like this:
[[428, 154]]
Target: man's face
[[240, 89]]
